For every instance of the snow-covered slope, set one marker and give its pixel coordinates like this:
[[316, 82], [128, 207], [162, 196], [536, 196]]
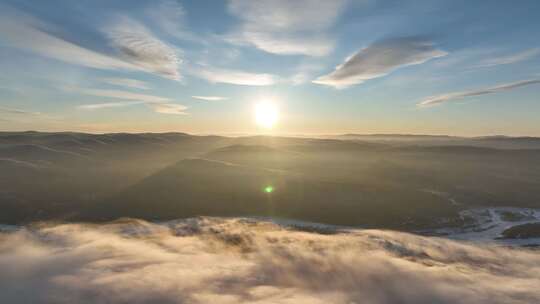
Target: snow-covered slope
[[488, 224]]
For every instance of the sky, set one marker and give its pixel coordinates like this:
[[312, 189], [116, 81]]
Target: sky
[[467, 68]]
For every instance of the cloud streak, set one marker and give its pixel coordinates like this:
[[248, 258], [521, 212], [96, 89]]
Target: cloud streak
[[380, 59], [284, 44], [17, 111], [208, 260], [168, 108], [286, 27], [24, 32], [159, 104], [169, 16], [510, 59], [217, 75], [126, 82], [440, 99], [97, 106], [137, 45], [119, 94], [138, 48], [210, 98]]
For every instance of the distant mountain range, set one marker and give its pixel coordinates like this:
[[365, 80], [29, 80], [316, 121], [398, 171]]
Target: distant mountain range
[[496, 141], [373, 181]]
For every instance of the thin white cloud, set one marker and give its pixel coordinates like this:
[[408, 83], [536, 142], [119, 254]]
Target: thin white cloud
[[169, 16], [24, 32], [217, 75], [119, 94], [158, 104], [126, 82], [137, 45], [168, 108], [210, 98], [287, 15], [439, 99], [17, 111], [510, 59], [304, 73], [284, 44], [97, 106], [286, 27], [26, 117], [380, 59], [138, 48]]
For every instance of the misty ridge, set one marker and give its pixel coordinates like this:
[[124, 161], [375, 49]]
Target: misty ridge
[[381, 181]]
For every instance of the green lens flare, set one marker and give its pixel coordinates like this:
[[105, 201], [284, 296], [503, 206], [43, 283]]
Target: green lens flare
[[269, 189]]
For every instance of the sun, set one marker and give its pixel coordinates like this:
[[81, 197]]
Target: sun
[[266, 114]]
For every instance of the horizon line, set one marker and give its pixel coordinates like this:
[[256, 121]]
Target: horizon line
[[269, 134]]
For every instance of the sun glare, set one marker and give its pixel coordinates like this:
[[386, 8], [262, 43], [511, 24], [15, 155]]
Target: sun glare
[[266, 114]]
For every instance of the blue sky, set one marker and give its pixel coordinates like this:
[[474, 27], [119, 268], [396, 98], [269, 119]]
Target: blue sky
[[363, 66]]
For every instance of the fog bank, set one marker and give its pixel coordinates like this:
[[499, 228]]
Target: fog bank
[[211, 260]]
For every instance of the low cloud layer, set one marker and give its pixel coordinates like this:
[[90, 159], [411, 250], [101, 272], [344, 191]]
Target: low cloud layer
[[439, 99], [380, 59], [209, 260]]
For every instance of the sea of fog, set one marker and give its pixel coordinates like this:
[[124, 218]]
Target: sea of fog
[[239, 260]]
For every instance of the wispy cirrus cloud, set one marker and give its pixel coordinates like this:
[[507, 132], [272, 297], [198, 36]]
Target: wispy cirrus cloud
[[218, 75], [137, 48], [169, 16], [157, 103], [168, 108], [28, 33], [440, 99], [119, 94], [286, 27], [137, 45], [126, 82], [210, 98], [105, 105], [380, 59], [26, 116], [284, 43], [509, 59], [304, 73], [17, 111]]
